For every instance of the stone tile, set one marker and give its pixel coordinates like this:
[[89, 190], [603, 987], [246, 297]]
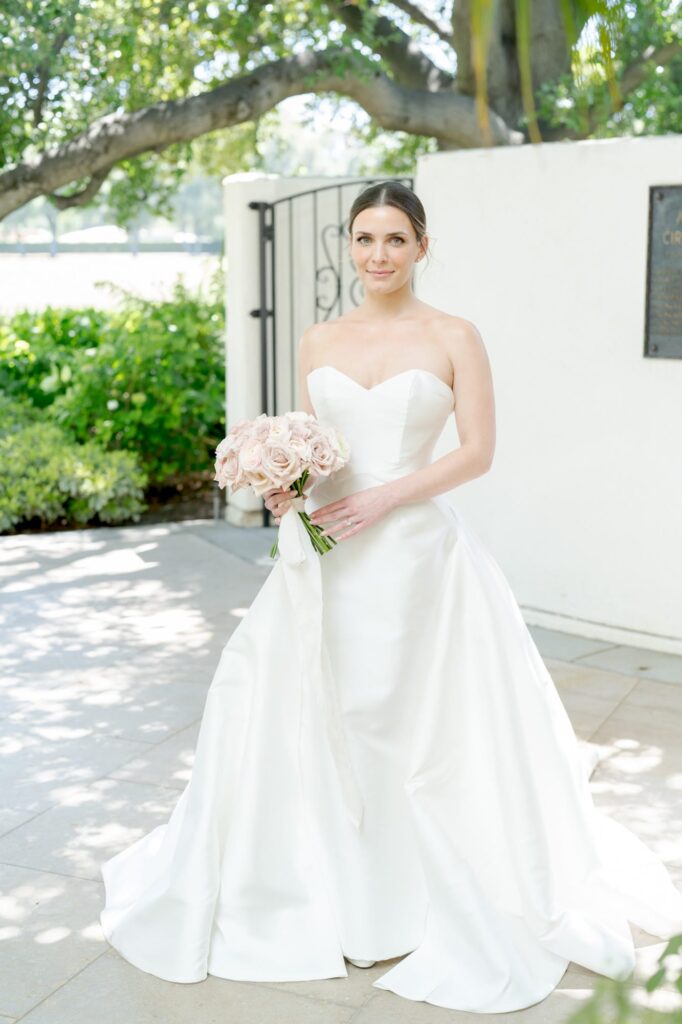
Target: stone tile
[[166, 764], [589, 695], [596, 683], [11, 818], [41, 763], [389, 1008], [140, 706], [50, 930], [122, 994], [552, 643], [355, 990], [91, 824], [132, 595], [252, 544], [639, 778], [653, 696], [637, 661], [651, 812], [646, 728]]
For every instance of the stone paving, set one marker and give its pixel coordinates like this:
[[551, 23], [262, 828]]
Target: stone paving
[[109, 641]]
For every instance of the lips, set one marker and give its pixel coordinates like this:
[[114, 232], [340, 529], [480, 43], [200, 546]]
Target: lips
[[380, 273]]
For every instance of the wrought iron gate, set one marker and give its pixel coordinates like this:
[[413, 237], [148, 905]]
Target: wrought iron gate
[[305, 277]]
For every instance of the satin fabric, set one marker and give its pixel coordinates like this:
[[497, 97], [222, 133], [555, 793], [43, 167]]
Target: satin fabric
[[384, 768]]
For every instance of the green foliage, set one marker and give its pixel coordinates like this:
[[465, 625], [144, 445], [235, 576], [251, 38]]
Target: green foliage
[[97, 405], [39, 352], [583, 103], [619, 1002], [147, 378], [67, 63], [47, 477], [154, 384]]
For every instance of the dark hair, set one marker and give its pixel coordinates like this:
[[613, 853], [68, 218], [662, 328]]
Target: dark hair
[[391, 193]]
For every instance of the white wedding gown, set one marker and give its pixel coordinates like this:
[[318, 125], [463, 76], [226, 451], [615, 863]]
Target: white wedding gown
[[385, 769]]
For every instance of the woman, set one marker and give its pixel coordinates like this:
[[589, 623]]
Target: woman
[[384, 767]]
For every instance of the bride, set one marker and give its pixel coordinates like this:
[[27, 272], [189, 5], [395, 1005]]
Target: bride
[[384, 768]]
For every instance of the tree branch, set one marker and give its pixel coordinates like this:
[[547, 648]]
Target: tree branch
[[410, 66], [115, 137], [85, 195], [441, 28], [631, 78], [636, 73]]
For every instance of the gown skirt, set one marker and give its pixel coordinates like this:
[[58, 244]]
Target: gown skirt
[[384, 768]]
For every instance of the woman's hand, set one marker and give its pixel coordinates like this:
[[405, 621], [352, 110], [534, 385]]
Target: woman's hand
[[362, 508], [278, 500]]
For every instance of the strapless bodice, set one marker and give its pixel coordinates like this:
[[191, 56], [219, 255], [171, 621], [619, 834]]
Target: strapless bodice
[[391, 428]]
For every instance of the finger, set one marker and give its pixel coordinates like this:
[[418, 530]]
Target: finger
[[330, 510], [322, 515], [347, 533]]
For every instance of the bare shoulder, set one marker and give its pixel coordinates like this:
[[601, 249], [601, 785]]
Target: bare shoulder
[[462, 340], [307, 342]]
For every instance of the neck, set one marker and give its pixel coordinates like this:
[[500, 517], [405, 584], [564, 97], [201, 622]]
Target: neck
[[389, 306]]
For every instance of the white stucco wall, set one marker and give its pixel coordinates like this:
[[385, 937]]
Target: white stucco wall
[[544, 248]]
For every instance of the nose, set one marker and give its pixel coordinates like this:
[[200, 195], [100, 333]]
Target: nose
[[378, 254]]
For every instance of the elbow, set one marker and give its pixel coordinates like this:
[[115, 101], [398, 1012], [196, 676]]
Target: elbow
[[483, 461]]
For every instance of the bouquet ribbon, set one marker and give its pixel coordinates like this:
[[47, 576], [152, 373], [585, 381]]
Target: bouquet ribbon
[[303, 574]]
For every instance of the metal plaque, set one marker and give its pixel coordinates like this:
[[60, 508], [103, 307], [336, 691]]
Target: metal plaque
[[663, 326]]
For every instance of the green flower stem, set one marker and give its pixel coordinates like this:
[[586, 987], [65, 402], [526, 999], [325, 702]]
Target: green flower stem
[[321, 543]]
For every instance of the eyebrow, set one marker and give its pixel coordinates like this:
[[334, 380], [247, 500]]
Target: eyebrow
[[389, 233]]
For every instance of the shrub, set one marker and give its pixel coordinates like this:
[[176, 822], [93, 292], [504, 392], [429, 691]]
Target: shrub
[[127, 398], [47, 477], [39, 352], [154, 384]]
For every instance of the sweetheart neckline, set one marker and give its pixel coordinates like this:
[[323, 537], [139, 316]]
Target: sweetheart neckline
[[401, 373]]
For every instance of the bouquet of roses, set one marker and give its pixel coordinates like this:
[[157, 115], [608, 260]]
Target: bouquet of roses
[[281, 451]]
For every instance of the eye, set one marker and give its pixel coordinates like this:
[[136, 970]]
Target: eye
[[396, 238]]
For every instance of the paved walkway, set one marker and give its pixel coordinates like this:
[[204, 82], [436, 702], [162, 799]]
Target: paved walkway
[[109, 642]]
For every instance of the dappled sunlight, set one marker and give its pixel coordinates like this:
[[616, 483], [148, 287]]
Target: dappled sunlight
[[628, 756], [51, 935], [112, 563], [109, 651], [630, 783], [9, 568]]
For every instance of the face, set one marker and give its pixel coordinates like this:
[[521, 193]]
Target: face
[[384, 248]]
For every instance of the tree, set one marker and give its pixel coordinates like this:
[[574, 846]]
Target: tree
[[95, 85]]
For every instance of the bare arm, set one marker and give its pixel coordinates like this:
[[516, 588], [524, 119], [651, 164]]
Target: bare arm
[[305, 365], [475, 418]]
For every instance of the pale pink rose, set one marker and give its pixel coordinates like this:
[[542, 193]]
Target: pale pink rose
[[274, 451], [282, 464], [260, 427], [237, 434], [303, 449], [299, 429], [323, 456], [260, 481], [301, 415], [228, 472], [251, 455], [279, 432]]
